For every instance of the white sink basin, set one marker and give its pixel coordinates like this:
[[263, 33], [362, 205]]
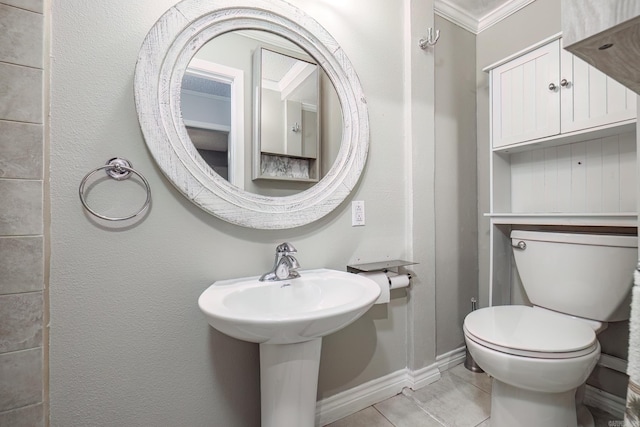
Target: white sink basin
[[292, 311]]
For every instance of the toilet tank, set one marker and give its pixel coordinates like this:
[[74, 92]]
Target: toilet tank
[[584, 275]]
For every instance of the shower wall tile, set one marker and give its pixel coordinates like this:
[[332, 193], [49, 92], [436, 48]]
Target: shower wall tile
[[21, 36], [21, 264], [32, 5], [21, 148], [22, 207], [20, 93], [28, 416], [21, 320], [22, 278], [21, 381]]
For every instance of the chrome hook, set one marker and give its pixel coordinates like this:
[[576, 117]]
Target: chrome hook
[[430, 40]]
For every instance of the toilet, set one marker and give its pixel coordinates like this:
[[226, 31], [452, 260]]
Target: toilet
[[539, 356]]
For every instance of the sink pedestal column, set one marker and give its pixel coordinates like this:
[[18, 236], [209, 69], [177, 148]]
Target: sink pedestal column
[[289, 383]]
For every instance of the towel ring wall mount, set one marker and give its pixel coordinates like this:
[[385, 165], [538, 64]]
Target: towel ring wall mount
[[118, 169]]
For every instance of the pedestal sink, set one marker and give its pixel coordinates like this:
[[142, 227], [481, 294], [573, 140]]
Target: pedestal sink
[[288, 319]]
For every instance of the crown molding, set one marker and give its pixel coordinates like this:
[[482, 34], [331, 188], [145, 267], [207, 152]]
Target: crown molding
[[501, 13], [455, 14]]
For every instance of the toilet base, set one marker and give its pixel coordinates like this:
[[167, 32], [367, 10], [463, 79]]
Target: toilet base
[[585, 419], [512, 406]]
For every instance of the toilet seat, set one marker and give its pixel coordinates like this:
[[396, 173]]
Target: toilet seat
[[524, 331]]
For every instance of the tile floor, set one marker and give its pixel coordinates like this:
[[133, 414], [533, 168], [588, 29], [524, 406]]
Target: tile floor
[[459, 399]]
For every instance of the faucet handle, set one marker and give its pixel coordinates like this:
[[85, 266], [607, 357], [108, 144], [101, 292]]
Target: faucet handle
[[286, 248]]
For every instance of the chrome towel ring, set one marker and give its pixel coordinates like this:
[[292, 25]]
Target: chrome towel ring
[[118, 169]]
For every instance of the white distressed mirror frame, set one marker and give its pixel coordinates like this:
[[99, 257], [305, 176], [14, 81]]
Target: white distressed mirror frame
[[163, 59]]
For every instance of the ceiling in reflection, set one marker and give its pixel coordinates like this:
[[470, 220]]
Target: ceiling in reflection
[[208, 86]]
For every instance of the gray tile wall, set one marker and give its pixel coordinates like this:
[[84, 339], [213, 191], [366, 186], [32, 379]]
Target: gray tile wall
[[21, 213]]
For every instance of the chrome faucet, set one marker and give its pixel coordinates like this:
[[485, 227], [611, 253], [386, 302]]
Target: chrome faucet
[[284, 265]]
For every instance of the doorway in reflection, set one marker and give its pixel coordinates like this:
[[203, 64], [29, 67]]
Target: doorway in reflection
[[208, 97], [213, 147], [206, 112]]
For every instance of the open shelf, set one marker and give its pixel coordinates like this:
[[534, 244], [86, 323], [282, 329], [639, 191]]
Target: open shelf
[[569, 138], [614, 219]]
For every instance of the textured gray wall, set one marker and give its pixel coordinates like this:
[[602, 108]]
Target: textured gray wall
[[456, 193]]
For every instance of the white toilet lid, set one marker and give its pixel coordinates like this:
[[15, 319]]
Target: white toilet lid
[[518, 329]]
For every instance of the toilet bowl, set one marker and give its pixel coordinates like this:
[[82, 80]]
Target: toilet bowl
[[537, 360], [539, 356]]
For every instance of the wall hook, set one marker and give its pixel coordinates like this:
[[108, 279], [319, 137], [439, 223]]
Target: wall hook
[[430, 40]]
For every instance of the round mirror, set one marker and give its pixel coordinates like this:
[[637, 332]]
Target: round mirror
[[276, 186], [294, 109]]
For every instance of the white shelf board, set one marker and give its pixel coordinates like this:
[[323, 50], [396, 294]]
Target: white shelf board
[[615, 219], [569, 138]]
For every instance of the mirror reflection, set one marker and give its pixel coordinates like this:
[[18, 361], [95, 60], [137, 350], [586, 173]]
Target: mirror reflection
[[206, 112], [287, 116], [226, 102]]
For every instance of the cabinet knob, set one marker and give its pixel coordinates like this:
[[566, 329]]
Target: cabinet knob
[[552, 87], [520, 245], [564, 83]]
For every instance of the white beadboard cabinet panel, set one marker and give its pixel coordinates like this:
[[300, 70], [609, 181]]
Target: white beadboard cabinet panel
[[523, 106], [578, 177], [611, 174], [590, 98], [521, 182], [551, 179], [628, 173], [537, 178], [564, 179], [595, 176], [593, 197]]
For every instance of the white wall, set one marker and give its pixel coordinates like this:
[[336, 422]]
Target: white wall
[[128, 345]]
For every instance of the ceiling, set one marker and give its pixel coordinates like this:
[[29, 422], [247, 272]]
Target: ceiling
[[477, 15]]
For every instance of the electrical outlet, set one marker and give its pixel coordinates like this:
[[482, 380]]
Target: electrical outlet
[[357, 213]]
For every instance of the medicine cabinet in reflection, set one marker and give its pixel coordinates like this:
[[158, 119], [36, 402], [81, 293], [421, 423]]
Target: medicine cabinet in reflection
[[286, 116]]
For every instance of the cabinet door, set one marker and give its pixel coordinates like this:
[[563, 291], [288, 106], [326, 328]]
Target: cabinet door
[[590, 98], [524, 107]]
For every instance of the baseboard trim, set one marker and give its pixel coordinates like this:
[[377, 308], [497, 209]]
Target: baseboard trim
[[452, 358], [357, 398], [423, 377], [612, 362], [606, 401]]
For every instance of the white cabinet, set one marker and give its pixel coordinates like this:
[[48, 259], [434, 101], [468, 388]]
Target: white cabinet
[[562, 156], [548, 92], [590, 98], [523, 107]]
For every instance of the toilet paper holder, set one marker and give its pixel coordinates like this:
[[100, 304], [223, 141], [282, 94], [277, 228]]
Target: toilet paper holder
[[384, 266], [381, 274]]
